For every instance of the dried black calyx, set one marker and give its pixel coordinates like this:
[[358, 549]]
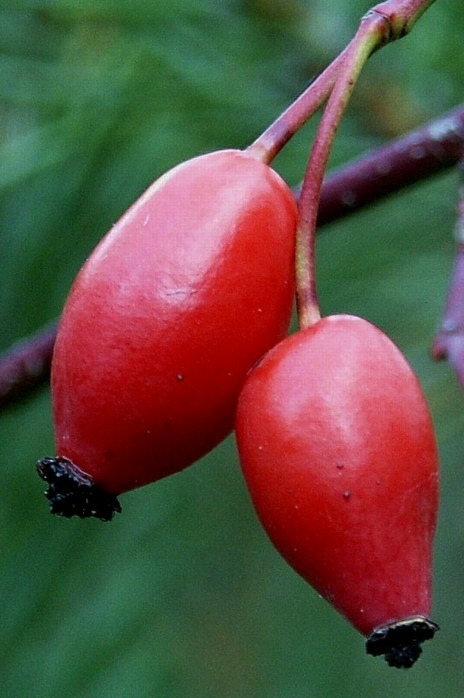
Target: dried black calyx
[[71, 493], [401, 642]]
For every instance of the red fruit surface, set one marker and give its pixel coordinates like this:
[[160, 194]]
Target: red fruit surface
[[176, 303], [338, 451]]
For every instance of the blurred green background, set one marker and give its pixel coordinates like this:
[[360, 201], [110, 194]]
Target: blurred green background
[[183, 595]]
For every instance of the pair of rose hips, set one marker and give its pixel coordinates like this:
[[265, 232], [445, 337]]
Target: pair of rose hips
[[160, 351]]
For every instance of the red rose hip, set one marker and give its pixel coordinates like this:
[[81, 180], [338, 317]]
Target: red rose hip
[[338, 451], [176, 303]]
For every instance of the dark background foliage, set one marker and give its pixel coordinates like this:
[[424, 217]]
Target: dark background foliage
[[183, 595]]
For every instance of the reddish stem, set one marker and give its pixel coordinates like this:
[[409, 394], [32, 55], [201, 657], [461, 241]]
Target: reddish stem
[[384, 23], [400, 15], [449, 339], [273, 139], [373, 31]]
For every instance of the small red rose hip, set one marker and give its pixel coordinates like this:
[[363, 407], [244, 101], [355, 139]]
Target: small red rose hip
[[177, 302], [338, 451]]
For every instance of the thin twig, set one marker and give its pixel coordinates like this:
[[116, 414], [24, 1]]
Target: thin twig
[[403, 162], [449, 339], [418, 155], [26, 365]]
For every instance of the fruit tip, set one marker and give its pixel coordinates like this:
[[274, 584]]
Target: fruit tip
[[401, 641], [72, 493]]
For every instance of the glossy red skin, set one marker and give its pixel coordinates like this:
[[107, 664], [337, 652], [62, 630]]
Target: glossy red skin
[[177, 302], [338, 451]]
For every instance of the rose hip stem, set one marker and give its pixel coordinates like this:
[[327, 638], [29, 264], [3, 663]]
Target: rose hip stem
[[400, 16], [273, 139], [382, 24], [372, 32]]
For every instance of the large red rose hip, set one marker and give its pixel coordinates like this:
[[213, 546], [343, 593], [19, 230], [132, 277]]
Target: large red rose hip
[[177, 302], [338, 451]]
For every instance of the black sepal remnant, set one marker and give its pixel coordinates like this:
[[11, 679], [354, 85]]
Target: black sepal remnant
[[71, 493], [401, 642]]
